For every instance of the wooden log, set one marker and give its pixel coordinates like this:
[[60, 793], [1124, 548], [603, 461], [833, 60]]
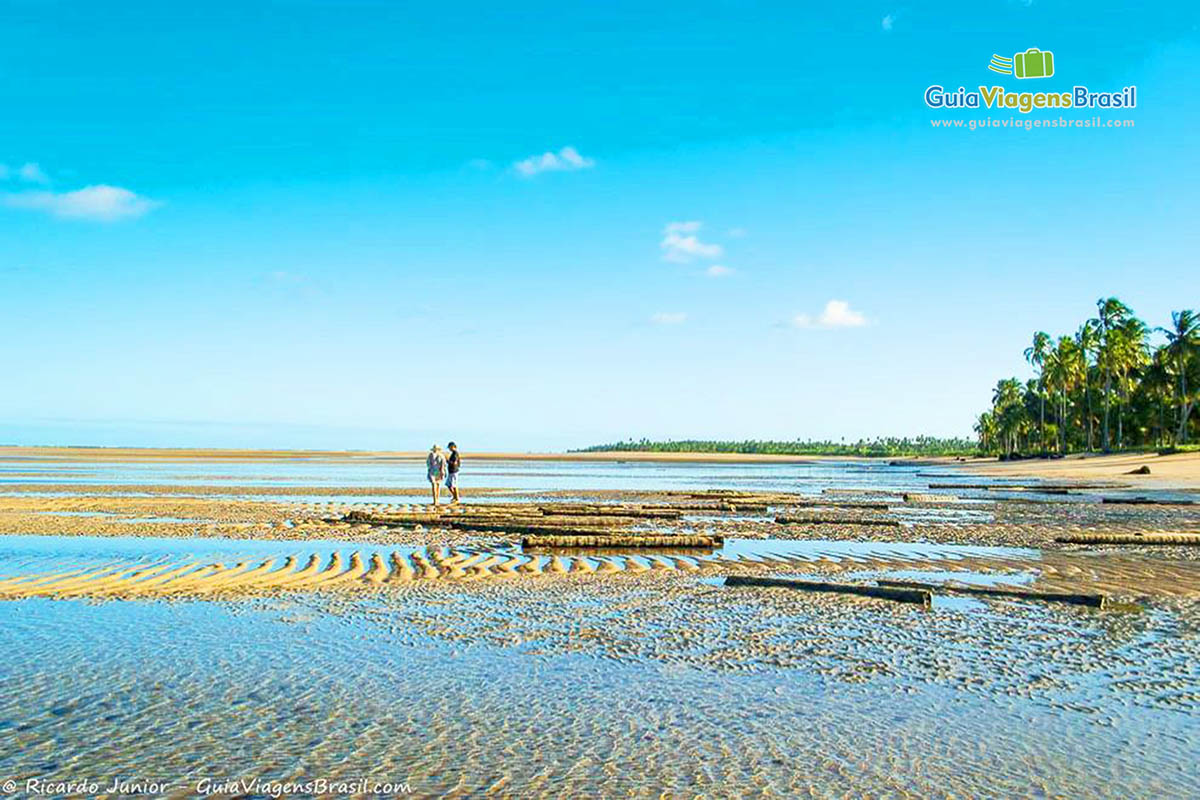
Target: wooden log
[[1145, 501], [536, 530], [920, 597], [585, 539], [542, 521], [1089, 600], [876, 504], [713, 507], [1027, 487], [1183, 539], [817, 519], [618, 550], [980, 486], [917, 497], [615, 511], [393, 520]]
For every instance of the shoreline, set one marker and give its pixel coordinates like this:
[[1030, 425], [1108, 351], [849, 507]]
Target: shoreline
[[1177, 472], [65, 453]]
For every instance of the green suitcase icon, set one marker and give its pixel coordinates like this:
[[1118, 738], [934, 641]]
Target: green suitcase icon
[[1033, 63]]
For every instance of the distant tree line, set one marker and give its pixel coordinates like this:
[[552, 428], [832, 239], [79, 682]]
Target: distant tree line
[[890, 446], [1105, 386]]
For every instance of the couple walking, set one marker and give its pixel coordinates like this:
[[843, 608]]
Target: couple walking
[[441, 466]]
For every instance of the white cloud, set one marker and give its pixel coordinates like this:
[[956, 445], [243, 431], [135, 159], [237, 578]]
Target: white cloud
[[718, 271], [889, 20], [100, 202], [837, 314], [567, 159], [668, 318], [681, 245], [32, 173]]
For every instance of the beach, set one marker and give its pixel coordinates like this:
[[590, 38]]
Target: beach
[[1180, 471], [303, 602]]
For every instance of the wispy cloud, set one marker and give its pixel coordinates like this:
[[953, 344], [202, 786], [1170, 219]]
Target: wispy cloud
[[889, 20], [718, 271], [681, 244], [29, 172], [101, 202], [836, 314], [32, 173], [567, 159], [668, 318]]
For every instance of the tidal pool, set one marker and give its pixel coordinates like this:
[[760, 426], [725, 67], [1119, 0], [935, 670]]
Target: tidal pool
[[186, 691]]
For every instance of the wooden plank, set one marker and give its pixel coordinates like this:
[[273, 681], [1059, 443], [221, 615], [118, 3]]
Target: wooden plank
[[1090, 600], [917, 596]]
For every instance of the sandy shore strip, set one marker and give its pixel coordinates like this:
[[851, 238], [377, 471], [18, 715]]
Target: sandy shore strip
[[1178, 472]]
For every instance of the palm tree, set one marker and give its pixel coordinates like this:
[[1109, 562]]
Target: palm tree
[[1036, 356], [1183, 341], [1157, 383], [1009, 412], [985, 426], [1087, 340], [1111, 313], [1061, 370], [1129, 356]]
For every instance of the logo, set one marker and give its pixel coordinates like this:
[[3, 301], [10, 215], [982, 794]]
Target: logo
[[1033, 63]]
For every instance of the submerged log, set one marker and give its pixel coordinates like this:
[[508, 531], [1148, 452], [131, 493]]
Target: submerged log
[[1090, 600], [1188, 539], [818, 519], [475, 523], [535, 529], [1145, 501], [917, 596], [584, 539], [875, 504], [393, 520], [611, 510], [979, 486]]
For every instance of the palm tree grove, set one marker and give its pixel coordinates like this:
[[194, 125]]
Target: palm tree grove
[[1107, 387]]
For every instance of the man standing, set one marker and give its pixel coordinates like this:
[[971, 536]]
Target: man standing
[[435, 470], [452, 464]]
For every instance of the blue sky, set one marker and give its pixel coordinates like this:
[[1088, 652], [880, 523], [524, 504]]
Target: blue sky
[[537, 226]]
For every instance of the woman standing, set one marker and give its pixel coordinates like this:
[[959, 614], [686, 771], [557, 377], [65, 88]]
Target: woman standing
[[435, 470]]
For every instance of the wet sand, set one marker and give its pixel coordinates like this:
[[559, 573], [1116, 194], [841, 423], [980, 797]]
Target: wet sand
[[372, 576]]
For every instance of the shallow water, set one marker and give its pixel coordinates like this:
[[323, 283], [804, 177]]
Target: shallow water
[[589, 687], [187, 691]]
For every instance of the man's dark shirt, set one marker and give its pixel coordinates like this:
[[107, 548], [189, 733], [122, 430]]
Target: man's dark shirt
[[452, 462]]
